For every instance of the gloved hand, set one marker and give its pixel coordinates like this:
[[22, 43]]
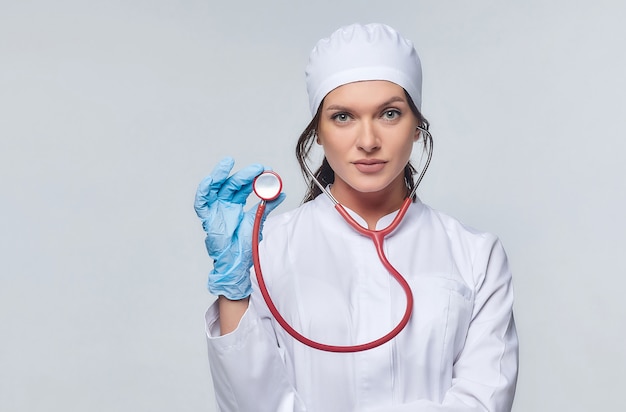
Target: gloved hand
[[219, 203]]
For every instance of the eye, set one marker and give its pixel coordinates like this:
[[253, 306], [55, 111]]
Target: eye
[[391, 114], [341, 117]]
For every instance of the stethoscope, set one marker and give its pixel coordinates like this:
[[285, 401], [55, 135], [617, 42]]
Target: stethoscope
[[268, 185]]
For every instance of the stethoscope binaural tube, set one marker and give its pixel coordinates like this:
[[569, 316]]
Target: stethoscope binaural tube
[[377, 237]]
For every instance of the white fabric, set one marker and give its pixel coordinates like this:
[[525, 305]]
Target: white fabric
[[363, 52], [458, 352]]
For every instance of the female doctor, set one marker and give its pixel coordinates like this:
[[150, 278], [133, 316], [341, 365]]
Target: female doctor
[[459, 350]]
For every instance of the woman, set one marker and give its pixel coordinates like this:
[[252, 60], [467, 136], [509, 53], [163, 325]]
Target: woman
[[459, 349]]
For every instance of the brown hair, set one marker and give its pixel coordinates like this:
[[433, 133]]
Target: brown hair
[[325, 174]]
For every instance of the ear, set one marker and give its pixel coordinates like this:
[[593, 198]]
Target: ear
[[317, 139], [417, 134]]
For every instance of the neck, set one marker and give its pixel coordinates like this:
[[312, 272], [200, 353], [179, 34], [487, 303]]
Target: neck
[[371, 206]]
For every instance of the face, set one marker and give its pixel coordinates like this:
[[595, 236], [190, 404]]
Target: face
[[367, 130]]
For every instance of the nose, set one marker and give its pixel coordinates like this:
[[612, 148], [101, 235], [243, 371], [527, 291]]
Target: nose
[[368, 139]]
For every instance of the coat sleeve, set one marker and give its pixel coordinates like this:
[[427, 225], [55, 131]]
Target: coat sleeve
[[248, 371], [485, 372]]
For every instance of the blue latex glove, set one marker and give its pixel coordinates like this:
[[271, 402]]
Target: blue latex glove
[[219, 203]]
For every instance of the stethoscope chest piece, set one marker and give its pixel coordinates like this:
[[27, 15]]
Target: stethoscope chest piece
[[267, 185]]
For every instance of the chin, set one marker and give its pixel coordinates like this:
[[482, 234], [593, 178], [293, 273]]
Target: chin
[[373, 189]]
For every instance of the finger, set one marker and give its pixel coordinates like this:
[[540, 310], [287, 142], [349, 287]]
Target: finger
[[221, 171], [210, 185], [238, 187]]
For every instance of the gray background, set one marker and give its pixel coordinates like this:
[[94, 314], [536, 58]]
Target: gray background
[[112, 111]]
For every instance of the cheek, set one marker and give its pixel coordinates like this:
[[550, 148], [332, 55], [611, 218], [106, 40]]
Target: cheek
[[331, 152], [405, 146], [410, 144], [334, 143], [335, 154]]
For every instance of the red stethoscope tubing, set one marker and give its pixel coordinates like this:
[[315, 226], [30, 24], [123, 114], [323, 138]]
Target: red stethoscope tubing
[[378, 237]]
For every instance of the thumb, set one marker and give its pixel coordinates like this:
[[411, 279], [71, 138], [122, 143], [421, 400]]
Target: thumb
[[250, 215], [271, 205]]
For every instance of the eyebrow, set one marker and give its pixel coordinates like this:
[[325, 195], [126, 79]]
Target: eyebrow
[[386, 103]]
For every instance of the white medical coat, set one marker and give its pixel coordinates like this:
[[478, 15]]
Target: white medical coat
[[459, 351]]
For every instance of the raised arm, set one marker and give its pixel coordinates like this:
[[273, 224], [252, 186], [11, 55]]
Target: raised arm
[[219, 203]]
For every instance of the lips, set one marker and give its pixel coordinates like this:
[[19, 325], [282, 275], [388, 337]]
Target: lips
[[369, 165]]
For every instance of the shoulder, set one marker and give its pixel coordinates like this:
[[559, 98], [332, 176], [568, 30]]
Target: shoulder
[[467, 244], [457, 230]]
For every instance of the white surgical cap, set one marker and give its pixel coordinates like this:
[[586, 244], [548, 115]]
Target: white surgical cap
[[363, 52]]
